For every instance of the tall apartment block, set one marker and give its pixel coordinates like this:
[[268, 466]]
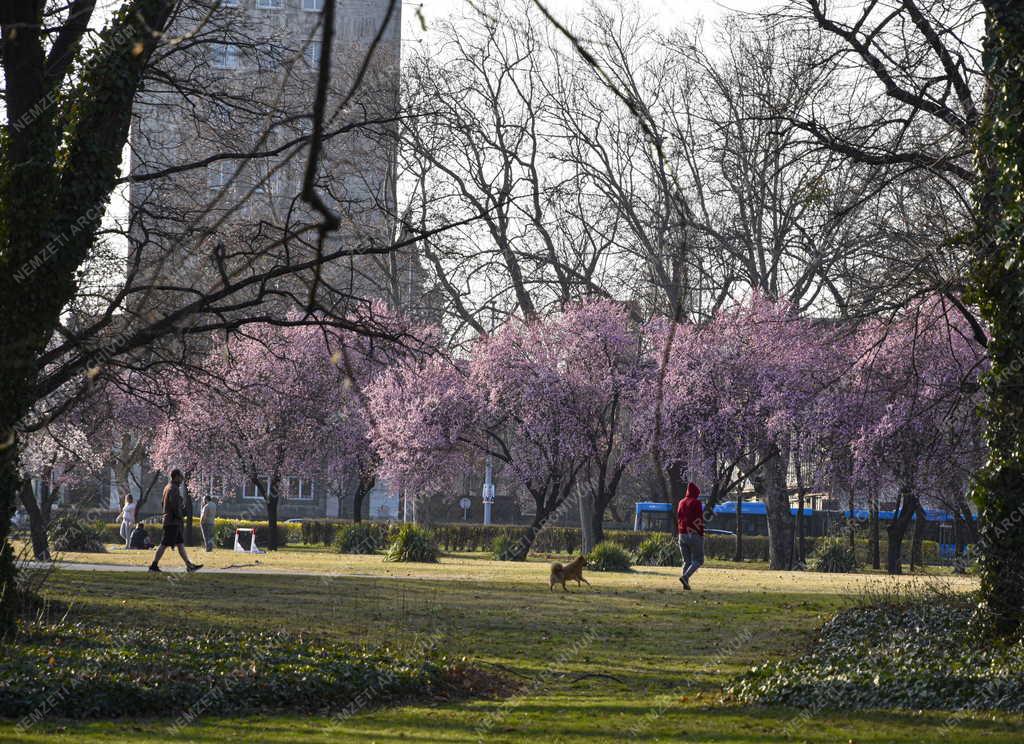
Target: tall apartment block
[[219, 150]]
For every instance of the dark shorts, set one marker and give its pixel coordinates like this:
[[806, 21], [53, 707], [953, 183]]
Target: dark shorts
[[172, 536]]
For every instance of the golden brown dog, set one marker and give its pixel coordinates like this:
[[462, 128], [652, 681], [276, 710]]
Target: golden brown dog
[[568, 572]]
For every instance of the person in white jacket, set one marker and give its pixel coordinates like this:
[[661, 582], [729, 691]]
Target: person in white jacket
[[127, 519], [207, 521]]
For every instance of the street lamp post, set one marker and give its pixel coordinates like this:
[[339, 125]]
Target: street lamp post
[[488, 493]]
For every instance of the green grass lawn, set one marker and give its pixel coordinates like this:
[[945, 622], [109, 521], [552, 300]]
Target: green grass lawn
[[633, 659]]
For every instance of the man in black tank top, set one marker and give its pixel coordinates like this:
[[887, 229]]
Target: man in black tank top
[[173, 517]]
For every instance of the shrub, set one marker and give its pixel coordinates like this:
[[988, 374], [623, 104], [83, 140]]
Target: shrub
[[412, 544], [658, 550], [70, 534], [911, 654], [832, 555], [502, 547], [361, 538], [251, 671], [608, 556], [224, 536]]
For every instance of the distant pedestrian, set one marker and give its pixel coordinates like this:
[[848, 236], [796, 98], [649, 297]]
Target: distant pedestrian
[[174, 513], [127, 519], [207, 521], [690, 528]]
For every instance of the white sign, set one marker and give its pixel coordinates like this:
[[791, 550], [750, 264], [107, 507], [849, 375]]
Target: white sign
[[465, 503]]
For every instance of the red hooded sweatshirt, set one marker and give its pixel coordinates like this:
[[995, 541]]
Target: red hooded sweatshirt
[[690, 512]]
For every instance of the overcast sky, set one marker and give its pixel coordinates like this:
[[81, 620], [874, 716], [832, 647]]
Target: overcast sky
[[671, 12]]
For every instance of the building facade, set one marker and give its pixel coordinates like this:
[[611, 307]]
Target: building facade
[[220, 152]]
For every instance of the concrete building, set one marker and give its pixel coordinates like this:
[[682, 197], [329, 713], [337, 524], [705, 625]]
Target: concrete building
[[220, 144], [219, 150]]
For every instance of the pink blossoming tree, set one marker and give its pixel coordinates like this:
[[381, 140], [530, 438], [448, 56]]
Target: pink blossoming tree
[[273, 401]]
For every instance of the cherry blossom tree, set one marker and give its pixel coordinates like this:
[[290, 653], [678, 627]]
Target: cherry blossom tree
[[266, 404], [735, 393], [606, 366], [552, 400], [918, 381], [52, 460]]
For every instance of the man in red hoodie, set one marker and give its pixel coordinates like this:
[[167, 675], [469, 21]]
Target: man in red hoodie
[[690, 531]]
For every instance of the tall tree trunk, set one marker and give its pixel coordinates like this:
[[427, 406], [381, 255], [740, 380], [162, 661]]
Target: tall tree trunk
[[10, 484], [597, 521], [363, 488], [547, 502], [738, 556], [40, 201], [801, 553], [876, 551], [996, 287], [772, 482], [917, 547], [37, 522], [272, 502], [898, 530], [676, 485], [585, 502], [521, 547], [851, 523]]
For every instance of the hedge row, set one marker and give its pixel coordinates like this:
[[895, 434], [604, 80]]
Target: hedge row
[[468, 538], [287, 533]]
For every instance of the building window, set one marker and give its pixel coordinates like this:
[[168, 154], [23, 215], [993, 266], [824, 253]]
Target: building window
[[298, 489], [256, 491], [218, 175], [214, 487], [268, 4], [313, 6], [313, 52], [224, 56]]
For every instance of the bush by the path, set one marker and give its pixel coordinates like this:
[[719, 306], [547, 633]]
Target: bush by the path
[[608, 556], [917, 653], [501, 548], [413, 544], [832, 555], [362, 538], [86, 671], [71, 534], [660, 549]]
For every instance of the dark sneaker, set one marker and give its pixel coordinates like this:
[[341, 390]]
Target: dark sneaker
[[193, 567], [684, 582], [155, 569]]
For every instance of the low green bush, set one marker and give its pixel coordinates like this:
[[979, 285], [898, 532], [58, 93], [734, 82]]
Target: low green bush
[[502, 547], [71, 534], [362, 538], [916, 653], [412, 544], [660, 549], [88, 671], [224, 536], [832, 555], [608, 556]]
